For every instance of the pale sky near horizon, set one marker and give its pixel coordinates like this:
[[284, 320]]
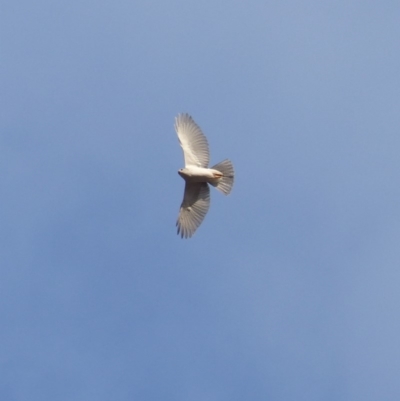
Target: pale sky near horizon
[[289, 290]]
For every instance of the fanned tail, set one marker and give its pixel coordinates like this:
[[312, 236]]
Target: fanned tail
[[225, 183]]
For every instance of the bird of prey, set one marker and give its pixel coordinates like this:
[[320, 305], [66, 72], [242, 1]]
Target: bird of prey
[[197, 175]]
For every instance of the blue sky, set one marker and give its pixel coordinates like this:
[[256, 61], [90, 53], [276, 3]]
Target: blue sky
[[290, 288]]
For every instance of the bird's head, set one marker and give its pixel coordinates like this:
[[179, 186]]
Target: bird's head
[[183, 172]]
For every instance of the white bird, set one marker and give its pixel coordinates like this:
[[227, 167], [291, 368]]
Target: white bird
[[197, 175]]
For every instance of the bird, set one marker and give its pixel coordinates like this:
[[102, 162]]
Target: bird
[[197, 175]]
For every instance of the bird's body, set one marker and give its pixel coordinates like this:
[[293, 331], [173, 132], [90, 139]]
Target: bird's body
[[197, 175], [200, 174]]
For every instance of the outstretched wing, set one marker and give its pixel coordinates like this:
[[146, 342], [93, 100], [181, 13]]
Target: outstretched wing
[[192, 140], [194, 207]]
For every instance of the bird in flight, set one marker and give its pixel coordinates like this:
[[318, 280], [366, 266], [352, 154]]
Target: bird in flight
[[197, 175]]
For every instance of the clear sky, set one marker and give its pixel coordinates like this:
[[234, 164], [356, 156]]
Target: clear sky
[[289, 290]]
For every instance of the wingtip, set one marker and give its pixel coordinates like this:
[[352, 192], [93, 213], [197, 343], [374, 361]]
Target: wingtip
[[183, 118]]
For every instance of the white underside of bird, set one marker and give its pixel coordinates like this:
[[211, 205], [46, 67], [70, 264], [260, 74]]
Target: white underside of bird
[[197, 175], [200, 174]]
